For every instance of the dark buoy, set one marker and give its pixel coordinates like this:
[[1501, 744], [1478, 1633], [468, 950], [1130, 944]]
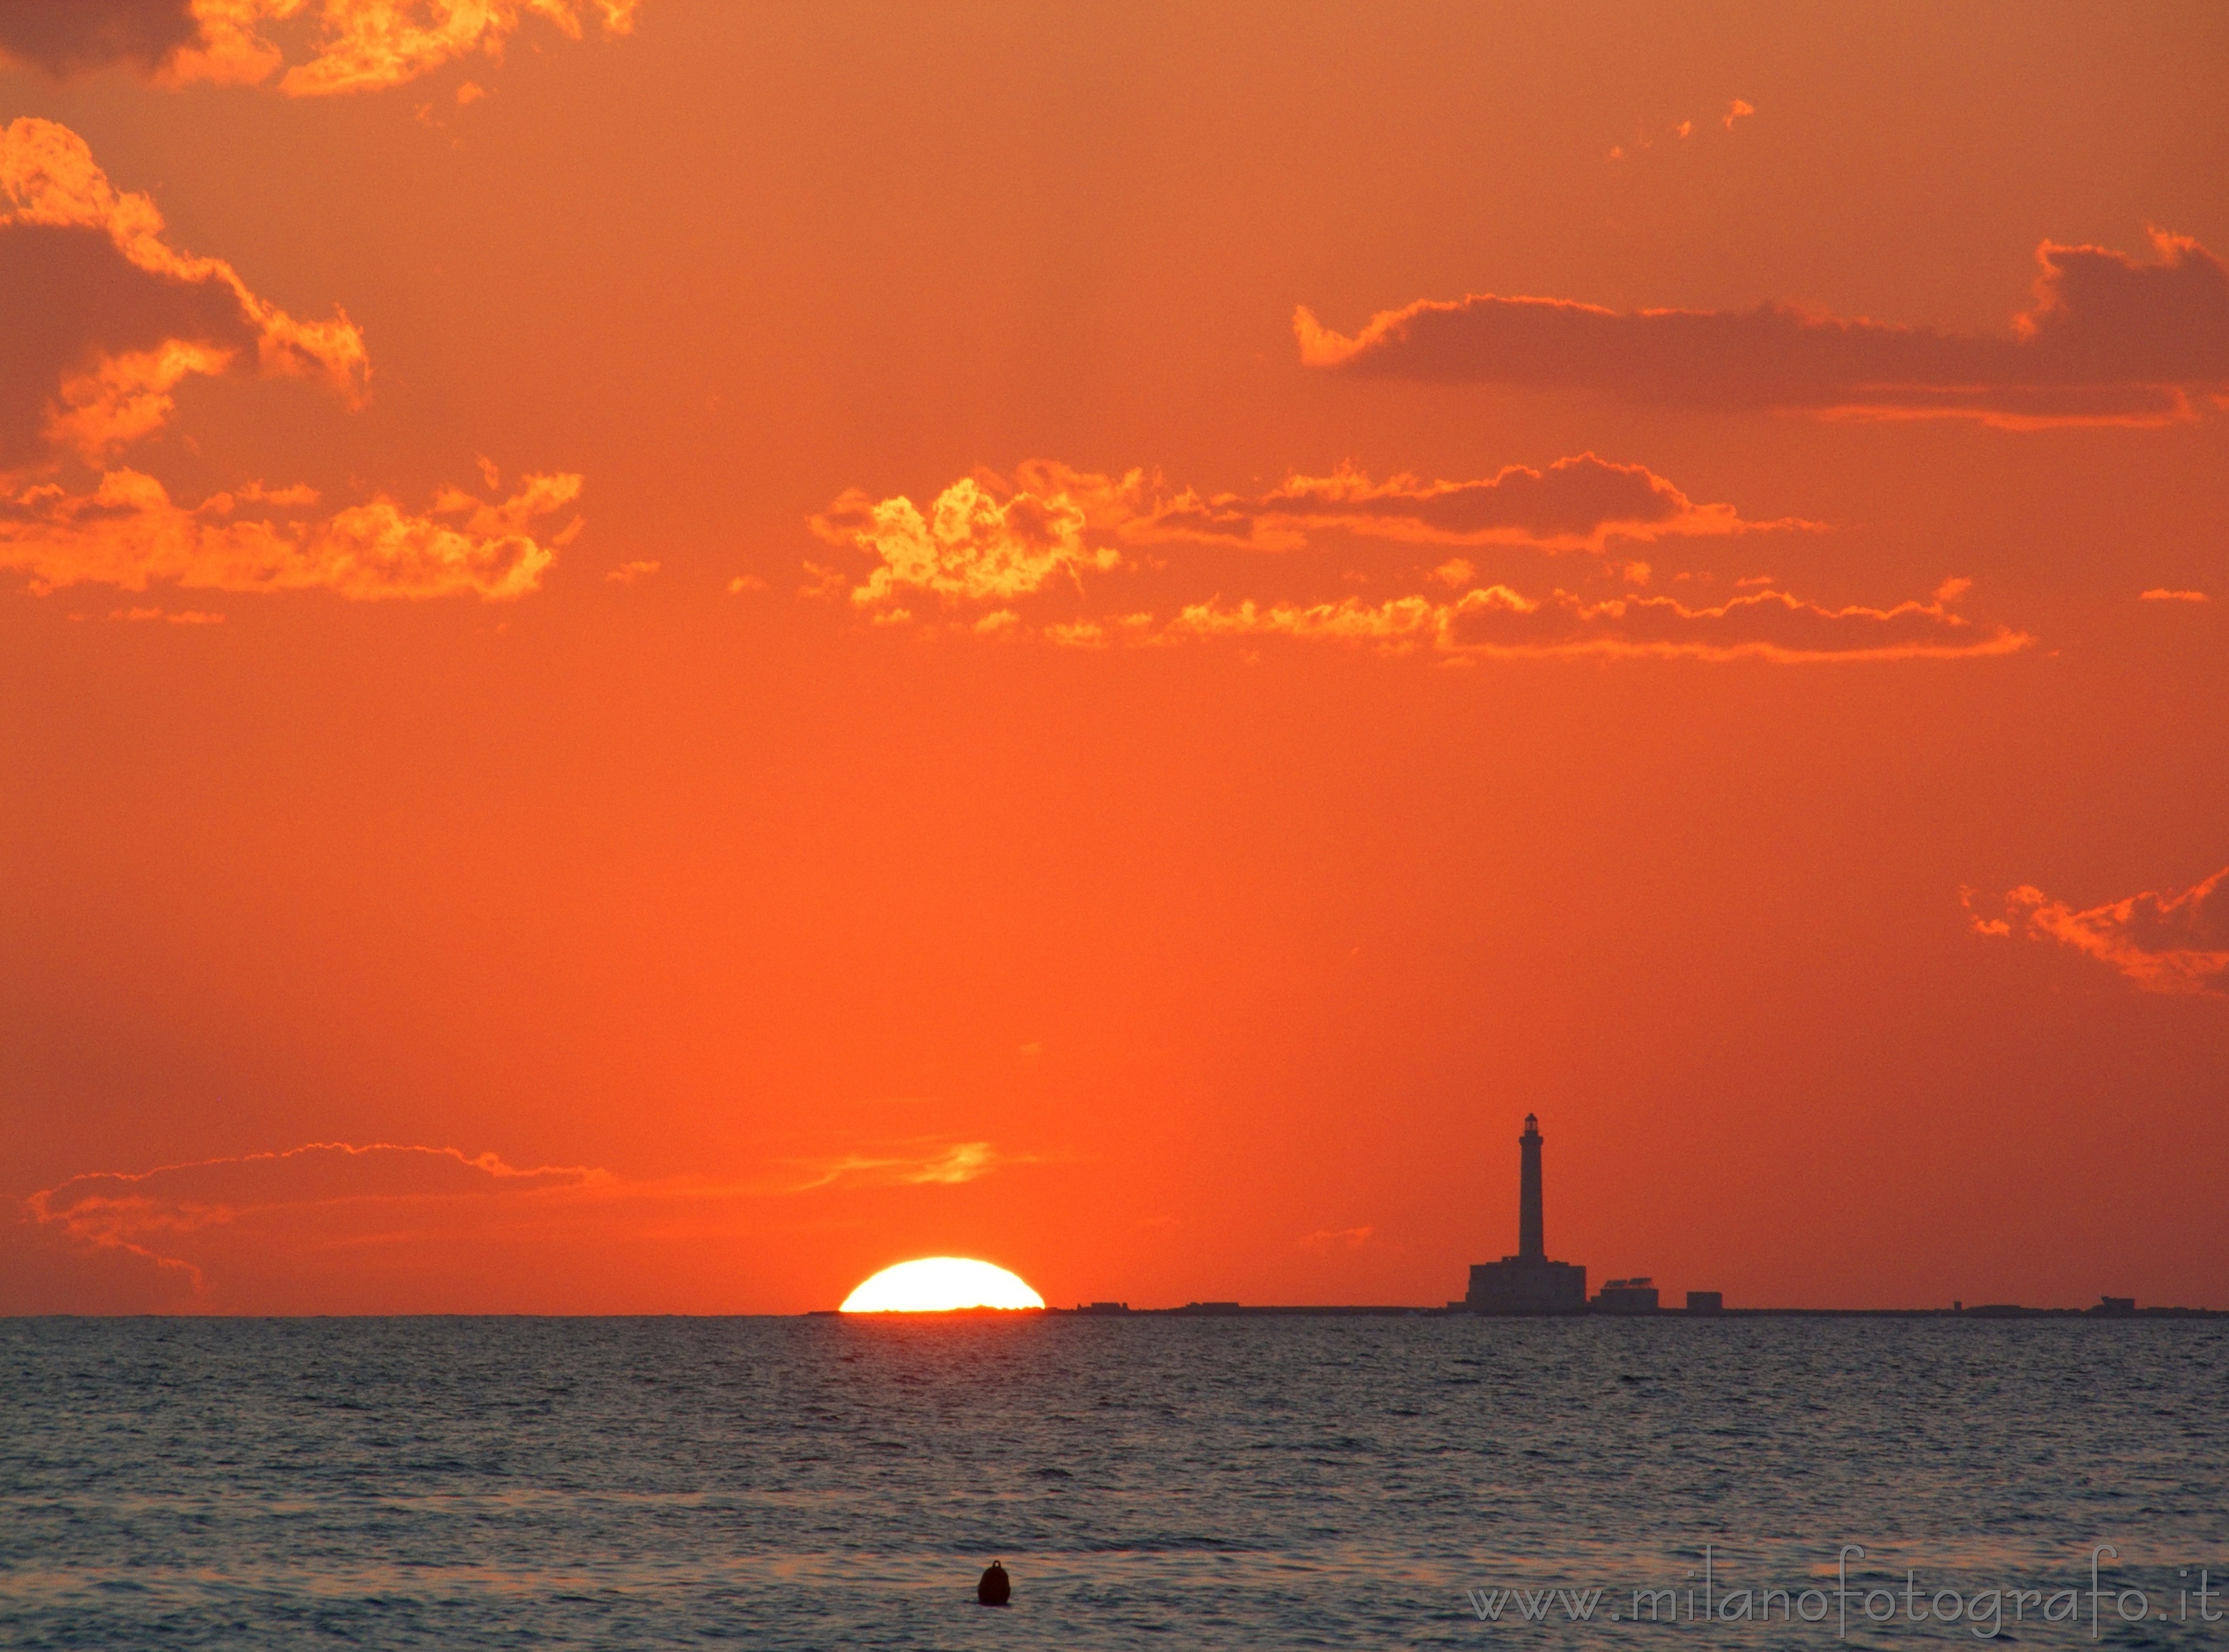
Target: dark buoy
[[995, 1585]]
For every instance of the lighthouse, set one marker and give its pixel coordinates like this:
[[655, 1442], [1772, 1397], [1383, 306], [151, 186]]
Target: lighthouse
[[1528, 1282]]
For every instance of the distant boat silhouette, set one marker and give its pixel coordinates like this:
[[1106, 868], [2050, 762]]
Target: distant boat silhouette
[[994, 1586]]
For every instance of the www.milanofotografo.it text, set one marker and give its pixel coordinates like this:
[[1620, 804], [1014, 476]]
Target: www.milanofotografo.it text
[[1841, 1604]]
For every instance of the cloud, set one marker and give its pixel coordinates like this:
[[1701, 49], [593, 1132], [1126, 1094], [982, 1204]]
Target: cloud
[[914, 1165], [367, 44], [1497, 622], [2160, 593], [178, 1197], [2175, 941], [166, 616], [76, 37], [1576, 503], [127, 532], [2110, 340], [970, 544], [153, 1214], [122, 315], [987, 539], [1344, 1238], [1647, 138], [631, 573], [1084, 560], [354, 45]]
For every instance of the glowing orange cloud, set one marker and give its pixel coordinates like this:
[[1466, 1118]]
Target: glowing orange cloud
[[2109, 341], [1645, 138], [123, 315], [1497, 622], [2175, 941], [166, 616], [1007, 548], [986, 538], [969, 545], [127, 532], [357, 46], [2160, 593]]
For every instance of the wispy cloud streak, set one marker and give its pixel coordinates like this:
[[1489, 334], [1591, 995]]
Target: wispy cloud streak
[[921, 1164]]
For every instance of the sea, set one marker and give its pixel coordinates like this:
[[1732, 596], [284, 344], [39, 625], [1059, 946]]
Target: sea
[[1147, 1481]]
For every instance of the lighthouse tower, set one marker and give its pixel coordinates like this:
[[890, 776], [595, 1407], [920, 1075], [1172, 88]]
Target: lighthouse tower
[[1528, 1192], [1528, 1282]]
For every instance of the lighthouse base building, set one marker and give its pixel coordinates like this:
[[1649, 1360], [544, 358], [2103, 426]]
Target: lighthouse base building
[[1527, 1285]]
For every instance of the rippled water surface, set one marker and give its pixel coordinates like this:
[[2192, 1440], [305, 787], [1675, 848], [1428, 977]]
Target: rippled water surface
[[1270, 1482]]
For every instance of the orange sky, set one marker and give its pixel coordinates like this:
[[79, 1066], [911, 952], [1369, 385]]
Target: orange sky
[[654, 655]]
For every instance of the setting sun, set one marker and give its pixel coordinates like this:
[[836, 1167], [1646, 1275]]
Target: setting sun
[[939, 1284]]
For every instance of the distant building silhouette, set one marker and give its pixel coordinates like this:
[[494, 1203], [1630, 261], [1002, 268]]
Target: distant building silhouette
[[1528, 1282], [1707, 1302], [1627, 1297]]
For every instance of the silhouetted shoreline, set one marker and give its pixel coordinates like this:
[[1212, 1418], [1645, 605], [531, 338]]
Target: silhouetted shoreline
[[1248, 1310]]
